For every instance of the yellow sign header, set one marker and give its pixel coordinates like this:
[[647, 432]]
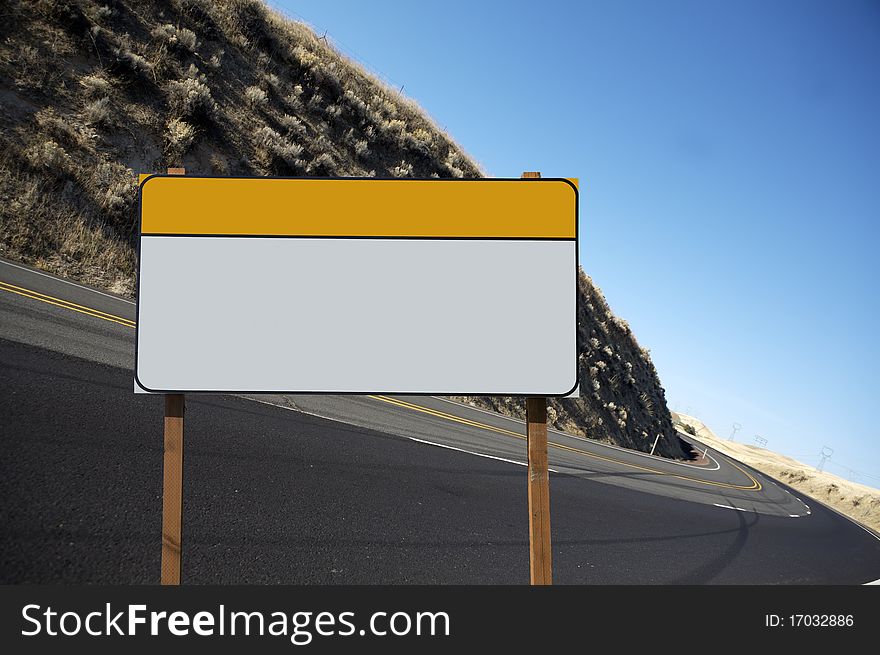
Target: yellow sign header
[[356, 207]]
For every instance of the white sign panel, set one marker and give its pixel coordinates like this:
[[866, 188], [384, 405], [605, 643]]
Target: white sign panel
[[357, 286]]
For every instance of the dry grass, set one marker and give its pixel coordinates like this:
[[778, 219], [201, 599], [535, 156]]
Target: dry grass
[[95, 93]]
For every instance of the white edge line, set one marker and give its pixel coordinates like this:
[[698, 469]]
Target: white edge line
[[337, 420], [795, 496], [585, 439], [738, 509], [402, 436], [873, 582], [848, 518], [73, 284], [471, 452]]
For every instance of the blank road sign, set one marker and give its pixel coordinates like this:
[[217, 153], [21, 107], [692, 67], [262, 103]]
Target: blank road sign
[[283, 285]]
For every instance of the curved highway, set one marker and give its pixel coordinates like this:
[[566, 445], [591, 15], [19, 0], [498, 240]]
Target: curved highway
[[352, 489]]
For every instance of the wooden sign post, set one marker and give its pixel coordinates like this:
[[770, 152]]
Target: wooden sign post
[[540, 555], [172, 480]]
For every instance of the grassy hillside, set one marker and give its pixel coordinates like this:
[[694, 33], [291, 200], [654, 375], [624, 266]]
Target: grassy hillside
[[93, 92]]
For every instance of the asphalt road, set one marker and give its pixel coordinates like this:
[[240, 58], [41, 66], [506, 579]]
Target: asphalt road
[[350, 489]]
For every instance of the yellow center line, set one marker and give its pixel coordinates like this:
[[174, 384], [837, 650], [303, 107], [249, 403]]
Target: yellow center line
[[448, 417], [755, 486], [66, 304], [89, 311]]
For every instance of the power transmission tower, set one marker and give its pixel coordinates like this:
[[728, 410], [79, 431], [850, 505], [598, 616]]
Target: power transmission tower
[[826, 454], [736, 428]]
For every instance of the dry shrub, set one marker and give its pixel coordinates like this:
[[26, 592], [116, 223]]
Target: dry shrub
[[219, 165], [101, 13], [96, 85], [361, 148], [323, 165], [190, 97], [403, 169], [61, 128], [178, 137], [273, 81], [114, 187], [29, 68], [293, 125], [48, 155], [333, 112], [256, 97], [98, 112], [276, 152], [179, 38], [128, 60]]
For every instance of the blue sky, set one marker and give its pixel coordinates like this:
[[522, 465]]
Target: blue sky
[[729, 158]]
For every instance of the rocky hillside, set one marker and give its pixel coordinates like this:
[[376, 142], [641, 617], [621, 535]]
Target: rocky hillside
[[93, 92], [622, 401]]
